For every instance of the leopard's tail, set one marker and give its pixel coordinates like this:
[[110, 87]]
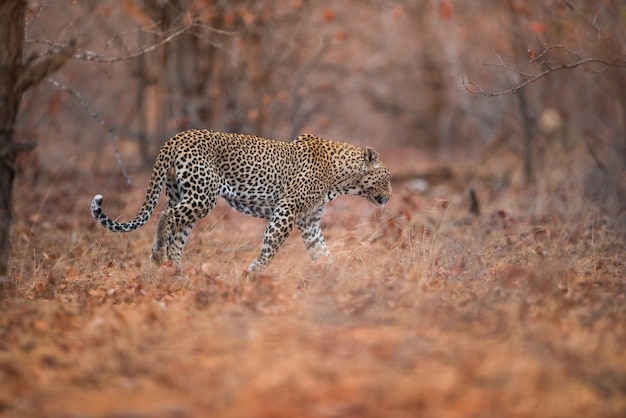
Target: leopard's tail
[[157, 180]]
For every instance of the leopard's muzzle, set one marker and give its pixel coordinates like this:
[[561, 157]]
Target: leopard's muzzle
[[381, 199]]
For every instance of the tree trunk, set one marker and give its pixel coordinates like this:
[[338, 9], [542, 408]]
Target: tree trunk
[[11, 48], [16, 76]]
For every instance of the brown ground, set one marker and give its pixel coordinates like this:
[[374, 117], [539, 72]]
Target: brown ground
[[426, 310]]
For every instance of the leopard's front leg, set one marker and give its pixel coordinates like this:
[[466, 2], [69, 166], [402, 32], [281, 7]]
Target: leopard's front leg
[[311, 232], [277, 231]]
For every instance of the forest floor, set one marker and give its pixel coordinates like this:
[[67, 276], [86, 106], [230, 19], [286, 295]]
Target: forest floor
[[425, 311]]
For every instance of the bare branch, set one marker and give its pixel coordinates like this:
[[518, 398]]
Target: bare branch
[[13, 149], [593, 24], [36, 71], [539, 60], [101, 121], [546, 49], [87, 55]]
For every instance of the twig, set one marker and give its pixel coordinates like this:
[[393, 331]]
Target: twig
[[87, 55], [95, 57], [96, 116], [37, 70], [529, 79]]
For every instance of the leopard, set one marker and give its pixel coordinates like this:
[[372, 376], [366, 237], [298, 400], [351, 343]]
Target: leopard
[[287, 183]]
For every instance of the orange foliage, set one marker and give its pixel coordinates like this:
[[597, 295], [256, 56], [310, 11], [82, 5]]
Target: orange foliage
[[398, 12], [137, 14], [329, 15], [537, 27], [445, 9]]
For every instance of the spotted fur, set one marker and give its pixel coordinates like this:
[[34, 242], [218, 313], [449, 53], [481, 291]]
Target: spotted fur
[[286, 182]]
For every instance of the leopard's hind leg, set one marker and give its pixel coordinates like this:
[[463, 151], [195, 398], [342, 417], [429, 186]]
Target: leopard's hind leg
[[170, 239], [184, 209]]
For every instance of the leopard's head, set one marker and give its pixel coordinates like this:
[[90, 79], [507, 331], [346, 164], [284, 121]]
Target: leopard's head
[[374, 182]]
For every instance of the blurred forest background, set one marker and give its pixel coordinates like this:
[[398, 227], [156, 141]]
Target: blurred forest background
[[491, 285], [389, 73]]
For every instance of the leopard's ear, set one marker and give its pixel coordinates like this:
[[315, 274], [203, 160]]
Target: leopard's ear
[[371, 157]]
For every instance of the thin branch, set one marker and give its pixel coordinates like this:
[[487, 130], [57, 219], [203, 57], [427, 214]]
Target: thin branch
[[96, 116], [593, 24], [546, 49], [13, 149], [36, 71], [507, 66], [95, 57], [87, 55], [539, 61]]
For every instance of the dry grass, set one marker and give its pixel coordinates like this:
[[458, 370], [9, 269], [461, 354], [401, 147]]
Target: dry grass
[[425, 311]]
